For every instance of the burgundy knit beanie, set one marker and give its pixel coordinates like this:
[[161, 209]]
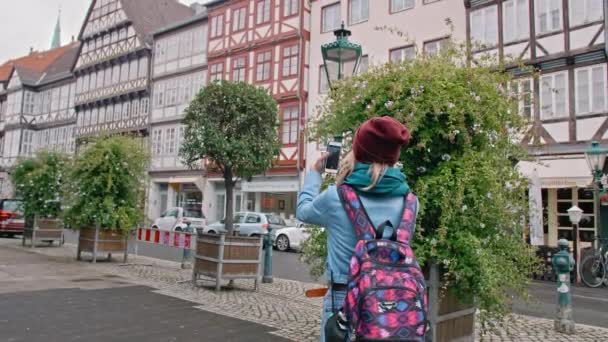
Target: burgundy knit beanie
[[380, 140]]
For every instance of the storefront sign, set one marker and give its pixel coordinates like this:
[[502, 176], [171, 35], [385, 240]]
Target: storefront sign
[[270, 186]]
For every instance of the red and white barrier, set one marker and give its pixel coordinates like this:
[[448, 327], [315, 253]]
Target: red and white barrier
[[166, 238]]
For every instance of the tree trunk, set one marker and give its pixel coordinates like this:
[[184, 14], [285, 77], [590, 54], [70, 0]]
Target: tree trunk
[[229, 183]]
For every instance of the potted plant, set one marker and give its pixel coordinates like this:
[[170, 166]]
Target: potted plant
[[234, 126], [103, 199], [38, 182], [464, 128]]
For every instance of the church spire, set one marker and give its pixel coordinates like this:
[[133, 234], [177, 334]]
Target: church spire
[[56, 40]]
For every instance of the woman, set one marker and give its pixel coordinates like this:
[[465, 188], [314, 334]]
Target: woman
[[370, 170]]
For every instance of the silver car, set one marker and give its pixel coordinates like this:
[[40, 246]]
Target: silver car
[[249, 224]]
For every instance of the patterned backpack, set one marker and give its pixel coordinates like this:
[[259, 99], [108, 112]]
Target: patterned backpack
[[386, 297]]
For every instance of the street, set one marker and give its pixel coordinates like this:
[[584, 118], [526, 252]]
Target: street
[[589, 304], [42, 300], [45, 295]]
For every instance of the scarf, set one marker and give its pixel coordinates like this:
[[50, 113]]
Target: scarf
[[391, 184]]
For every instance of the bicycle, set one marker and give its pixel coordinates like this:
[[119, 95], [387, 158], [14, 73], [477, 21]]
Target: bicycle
[[593, 267]]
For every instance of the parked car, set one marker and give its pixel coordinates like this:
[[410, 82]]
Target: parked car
[[249, 224], [11, 217], [177, 218], [291, 237]]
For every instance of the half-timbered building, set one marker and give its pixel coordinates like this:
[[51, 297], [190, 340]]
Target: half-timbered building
[[263, 42], [36, 107], [566, 104], [113, 67], [179, 71]]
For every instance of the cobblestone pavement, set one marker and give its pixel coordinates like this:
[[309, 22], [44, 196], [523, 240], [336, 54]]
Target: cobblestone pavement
[[280, 305]]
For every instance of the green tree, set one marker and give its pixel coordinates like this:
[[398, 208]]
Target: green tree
[[39, 183], [464, 126], [233, 125], [106, 184]]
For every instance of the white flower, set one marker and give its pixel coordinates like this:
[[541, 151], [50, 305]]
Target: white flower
[[434, 242], [482, 225], [477, 98], [451, 105], [456, 132], [388, 104], [421, 169], [446, 262], [489, 195], [364, 84], [464, 207], [446, 157], [369, 106]]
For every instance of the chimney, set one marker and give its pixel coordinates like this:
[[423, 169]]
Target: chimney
[[198, 8], [31, 50], [73, 38]]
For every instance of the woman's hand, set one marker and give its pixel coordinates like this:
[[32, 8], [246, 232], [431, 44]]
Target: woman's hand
[[319, 165]]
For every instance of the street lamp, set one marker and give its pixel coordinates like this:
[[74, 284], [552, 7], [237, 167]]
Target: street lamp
[[596, 157], [338, 54], [575, 213]]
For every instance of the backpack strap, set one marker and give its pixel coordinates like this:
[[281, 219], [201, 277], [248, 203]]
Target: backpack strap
[[356, 213], [405, 231]]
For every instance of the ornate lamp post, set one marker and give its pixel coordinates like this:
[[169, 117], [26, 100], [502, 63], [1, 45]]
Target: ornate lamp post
[[575, 213], [596, 157], [338, 54]]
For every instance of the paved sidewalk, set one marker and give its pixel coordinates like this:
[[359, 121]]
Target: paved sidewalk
[[280, 305]]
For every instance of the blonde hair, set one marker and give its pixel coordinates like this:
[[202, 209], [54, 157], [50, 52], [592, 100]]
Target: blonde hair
[[347, 166]]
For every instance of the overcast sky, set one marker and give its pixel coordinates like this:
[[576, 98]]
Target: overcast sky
[[30, 23]]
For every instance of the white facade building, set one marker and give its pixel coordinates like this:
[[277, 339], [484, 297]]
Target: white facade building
[[179, 71], [424, 22]]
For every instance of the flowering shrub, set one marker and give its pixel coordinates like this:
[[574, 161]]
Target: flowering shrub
[[106, 184], [39, 182], [460, 163]]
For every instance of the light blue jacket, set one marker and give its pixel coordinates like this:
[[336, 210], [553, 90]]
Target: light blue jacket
[[326, 210]]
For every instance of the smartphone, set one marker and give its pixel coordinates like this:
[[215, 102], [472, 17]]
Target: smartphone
[[333, 158]]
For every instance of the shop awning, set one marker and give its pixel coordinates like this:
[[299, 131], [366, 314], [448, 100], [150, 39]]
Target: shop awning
[[558, 173]]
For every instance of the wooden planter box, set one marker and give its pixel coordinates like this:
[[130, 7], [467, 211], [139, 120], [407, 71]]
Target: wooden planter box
[[101, 241], [450, 320], [46, 230], [227, 257]]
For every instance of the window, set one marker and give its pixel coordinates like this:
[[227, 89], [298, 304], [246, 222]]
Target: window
[[171, 141], [402, 54], [554, 96], [290, 7], [426, 2], [239, 17], [157, 142], [263, 66], [358, 11], [434, 47], [239, 69], [401, 5], [484, 26], [171, 93], [548, 16], [290, 61], [159, 95], [289, 128], [591, 89], [330, 18], [522, 91], [28, 103], [585, 11], [263, 11], [516, 25], [217, 26], [185, 44], [216, 72]]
